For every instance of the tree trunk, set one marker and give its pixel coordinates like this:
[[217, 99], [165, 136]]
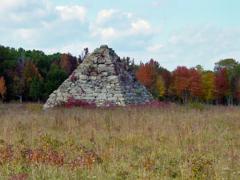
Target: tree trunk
[[20, 99]]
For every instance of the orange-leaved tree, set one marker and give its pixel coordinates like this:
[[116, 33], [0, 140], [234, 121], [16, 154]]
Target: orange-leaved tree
[[3, 88], [30, 72], [147, 74], [68, 63], [180, 83], [186, 83], [195, 83]]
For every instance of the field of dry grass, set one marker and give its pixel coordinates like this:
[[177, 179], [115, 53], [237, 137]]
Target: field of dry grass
[[181, 142]]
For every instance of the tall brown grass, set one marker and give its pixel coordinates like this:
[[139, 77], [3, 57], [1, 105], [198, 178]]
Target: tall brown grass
[[181, 142]]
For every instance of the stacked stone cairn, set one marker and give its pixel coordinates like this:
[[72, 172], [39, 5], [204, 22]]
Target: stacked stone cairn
[[102, 79]]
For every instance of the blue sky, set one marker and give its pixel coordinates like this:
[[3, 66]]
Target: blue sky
[[173, 32]]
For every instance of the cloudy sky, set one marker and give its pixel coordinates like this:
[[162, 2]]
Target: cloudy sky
[[173, 32]]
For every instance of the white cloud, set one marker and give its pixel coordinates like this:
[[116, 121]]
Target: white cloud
[[39, 24], [74, 12], [114, 25], [107, 33], [205, 45], [140, 26], [13, 12], [10, 4], [111, 15], [105, 15]]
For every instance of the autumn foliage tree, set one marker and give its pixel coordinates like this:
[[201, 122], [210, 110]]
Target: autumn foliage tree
[[237, 90], [3, 88], [187, 83], [27, 70], [232, 68], [68, 63], [222, 84], [160, 86], [180, 83], [167, 78], [147, 74], [208, 86], [195, 84], [30, 73]]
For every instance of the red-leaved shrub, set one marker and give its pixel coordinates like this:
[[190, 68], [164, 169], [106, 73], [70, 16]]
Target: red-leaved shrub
[[109, 105], [79, 103]]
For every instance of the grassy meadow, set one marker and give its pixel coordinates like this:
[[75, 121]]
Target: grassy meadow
[[169, 142]]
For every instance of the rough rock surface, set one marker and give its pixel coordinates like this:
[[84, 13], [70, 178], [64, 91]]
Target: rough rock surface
[[102, 79]]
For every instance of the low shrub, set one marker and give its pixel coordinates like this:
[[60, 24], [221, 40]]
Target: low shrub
[[71, 102]]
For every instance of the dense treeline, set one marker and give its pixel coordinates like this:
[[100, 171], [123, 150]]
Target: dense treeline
[[220, 86], [33, 75]]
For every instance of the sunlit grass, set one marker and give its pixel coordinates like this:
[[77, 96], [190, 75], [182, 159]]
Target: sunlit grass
[[182, 142]]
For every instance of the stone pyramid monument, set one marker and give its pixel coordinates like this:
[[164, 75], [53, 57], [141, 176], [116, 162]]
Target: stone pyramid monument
[[102, 79]]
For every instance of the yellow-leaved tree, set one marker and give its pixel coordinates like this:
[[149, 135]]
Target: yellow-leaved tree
[[160, 86], [208, 79], [3, 88]]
